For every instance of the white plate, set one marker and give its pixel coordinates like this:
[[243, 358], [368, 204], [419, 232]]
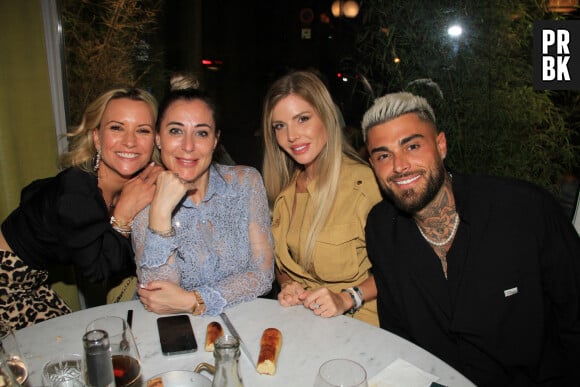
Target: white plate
[[180, 379]]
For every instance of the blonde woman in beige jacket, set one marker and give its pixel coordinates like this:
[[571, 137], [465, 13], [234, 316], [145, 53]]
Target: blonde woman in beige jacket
[[320, 193]]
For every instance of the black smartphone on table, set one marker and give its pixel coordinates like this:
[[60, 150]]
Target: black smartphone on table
[[176, 335]]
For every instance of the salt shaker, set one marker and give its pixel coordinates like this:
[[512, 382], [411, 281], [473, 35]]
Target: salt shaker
[[98, 363], [227, 354]]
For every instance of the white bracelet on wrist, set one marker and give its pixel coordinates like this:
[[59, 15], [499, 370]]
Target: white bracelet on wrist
[[356, 296]]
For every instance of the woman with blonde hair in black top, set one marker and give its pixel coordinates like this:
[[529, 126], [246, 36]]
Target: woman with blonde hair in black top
[[83, 215]]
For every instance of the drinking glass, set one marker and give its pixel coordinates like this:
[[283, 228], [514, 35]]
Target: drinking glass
[[7, 378], [9, 347], [63, 370], [341, 373], [125, 355]]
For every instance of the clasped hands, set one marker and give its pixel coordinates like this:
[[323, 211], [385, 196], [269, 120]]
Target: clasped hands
[[321, 301], [164, 297]]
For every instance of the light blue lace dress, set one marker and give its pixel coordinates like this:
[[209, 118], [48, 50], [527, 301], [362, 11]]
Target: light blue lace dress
[[223, 247]]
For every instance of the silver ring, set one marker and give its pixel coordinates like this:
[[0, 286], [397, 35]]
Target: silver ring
[[316, 306]]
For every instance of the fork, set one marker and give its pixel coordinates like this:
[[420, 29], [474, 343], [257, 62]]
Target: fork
[[124, 343]]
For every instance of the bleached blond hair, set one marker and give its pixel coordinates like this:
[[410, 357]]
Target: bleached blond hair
[[391, 106]]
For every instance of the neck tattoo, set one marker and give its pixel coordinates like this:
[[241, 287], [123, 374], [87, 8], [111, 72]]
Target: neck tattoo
[[441, 252], [448, 239]]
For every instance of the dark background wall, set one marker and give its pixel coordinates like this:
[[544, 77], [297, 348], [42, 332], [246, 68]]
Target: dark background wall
[[256, 42]]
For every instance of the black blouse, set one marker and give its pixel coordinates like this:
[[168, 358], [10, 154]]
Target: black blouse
[[64, 219]]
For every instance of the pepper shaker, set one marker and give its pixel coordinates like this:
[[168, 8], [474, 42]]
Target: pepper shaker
[[98, 362]]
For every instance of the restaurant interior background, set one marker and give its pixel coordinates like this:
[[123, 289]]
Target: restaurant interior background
[[477, 76], [479, 80]]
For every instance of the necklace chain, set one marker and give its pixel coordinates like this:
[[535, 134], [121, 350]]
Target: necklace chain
[[448, 239]]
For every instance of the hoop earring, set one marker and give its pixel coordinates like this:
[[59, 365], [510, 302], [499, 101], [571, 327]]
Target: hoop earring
[[97, 160]]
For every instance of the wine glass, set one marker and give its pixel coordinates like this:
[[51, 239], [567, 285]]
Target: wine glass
[[11, 351], [124, 352], [341, 373]]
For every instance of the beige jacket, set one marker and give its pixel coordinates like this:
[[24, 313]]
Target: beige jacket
[[340, 256]]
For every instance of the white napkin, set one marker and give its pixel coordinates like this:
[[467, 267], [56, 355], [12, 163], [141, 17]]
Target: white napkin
[[402, 373]]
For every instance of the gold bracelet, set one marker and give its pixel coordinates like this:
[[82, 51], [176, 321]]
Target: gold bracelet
[[199, 307], [122, 231], [164, 234], [121, 228]]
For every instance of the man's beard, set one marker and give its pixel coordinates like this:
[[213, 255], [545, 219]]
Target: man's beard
[[411, 201]]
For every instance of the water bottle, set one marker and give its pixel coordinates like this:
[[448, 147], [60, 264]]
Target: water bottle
[[227, 355]]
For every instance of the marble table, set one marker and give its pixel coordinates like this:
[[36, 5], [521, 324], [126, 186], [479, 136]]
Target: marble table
[[308, 341]]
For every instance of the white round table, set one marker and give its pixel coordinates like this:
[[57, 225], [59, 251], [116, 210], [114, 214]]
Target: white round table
[[308, 341]]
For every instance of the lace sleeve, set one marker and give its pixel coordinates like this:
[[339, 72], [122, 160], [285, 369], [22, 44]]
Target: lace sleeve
[[154, 255], [223, 246], [257, 279]]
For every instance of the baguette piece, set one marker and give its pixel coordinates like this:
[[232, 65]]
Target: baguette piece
[[270, 346], [214, 330], [156, 382]]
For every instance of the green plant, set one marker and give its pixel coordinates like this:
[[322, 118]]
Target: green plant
[[108, 43], [479, 83]]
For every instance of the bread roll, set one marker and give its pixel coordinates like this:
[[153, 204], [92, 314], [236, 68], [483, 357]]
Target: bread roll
[[156, 382], [270, 345], [214, 330]]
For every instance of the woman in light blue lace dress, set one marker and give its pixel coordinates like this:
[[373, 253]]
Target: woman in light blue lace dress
[[204, 243]]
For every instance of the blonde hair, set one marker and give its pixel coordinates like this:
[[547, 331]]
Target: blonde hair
[[82, 148], [279, 169], [391, 106]]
